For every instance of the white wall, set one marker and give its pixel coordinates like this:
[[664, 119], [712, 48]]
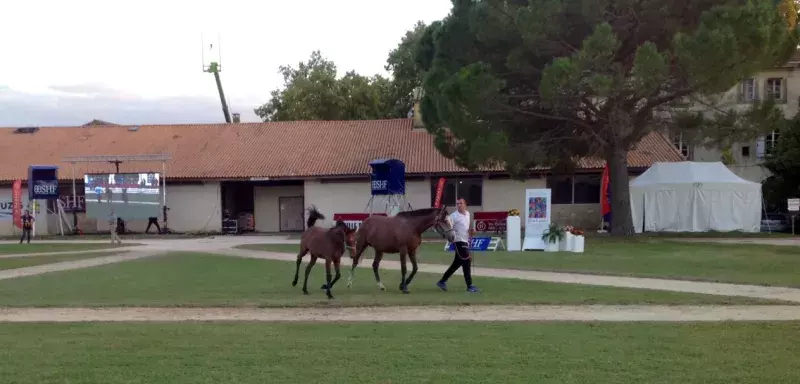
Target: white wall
[[193, 208], [267, 210], [352, 197], [6, 222]]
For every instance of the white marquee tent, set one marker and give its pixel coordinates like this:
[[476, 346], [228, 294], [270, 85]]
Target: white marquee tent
[[694, 197]]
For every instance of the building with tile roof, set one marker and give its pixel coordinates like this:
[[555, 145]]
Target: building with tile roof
[[273, 170]]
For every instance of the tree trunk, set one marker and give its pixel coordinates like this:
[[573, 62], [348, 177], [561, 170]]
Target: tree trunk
[[621, 220]]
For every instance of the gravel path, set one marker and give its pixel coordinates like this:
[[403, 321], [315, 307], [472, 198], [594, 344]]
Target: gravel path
[[75, 264], [722, 289], [402, 314]]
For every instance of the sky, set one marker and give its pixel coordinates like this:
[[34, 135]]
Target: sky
[[142, 62]]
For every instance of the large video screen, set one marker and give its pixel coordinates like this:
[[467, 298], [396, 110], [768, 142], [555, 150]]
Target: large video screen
[[129, 195]]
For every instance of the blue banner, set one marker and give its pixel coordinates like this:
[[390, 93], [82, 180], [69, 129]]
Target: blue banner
[[388, 177], [475, 244], [42, 182]]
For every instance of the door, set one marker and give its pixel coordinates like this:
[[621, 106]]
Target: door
[[291, 214]]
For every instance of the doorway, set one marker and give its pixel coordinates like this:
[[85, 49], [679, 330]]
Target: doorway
[[291, 213]]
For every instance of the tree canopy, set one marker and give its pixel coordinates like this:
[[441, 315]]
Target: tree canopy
[[783, 162], [524, 83], [313, 91]]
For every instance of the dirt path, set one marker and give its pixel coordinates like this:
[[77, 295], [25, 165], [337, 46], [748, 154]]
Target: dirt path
[[722, 289], [402, 314]]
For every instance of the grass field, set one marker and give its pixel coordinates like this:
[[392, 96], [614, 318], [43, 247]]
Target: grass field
[[187, 279], [30, 261], [34, 247], [562, 353], [646, 257]]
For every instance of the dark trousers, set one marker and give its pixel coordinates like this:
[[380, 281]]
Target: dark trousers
[[152, 221], [25, 232], [462, 259]]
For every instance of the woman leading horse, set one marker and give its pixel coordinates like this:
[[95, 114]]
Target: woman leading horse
[[326, 244], [399, 234]]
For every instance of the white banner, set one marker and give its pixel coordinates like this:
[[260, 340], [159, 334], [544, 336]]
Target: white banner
[[537, 218]]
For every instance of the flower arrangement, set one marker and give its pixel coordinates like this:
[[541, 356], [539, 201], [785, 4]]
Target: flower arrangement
[[513, 212], [553, 234], [569, 229], [577, 231]]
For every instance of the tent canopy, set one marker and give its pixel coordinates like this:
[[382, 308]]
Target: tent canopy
[[694, 197]]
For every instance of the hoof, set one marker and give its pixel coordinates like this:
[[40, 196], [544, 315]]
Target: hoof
[[330, 297], [305, 292], [405, 291], [382, 287], [294, 283], [324, 286]]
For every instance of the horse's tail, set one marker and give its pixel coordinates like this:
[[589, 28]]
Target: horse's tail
[[313, 216]]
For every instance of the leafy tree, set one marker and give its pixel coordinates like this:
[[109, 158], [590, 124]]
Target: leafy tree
[[406, 73], [783, 162], [312, 91], [544, 82]]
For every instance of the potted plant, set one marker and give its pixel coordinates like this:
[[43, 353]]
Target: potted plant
[[565, 244], [578, 241], [552, 236], [513, 230]]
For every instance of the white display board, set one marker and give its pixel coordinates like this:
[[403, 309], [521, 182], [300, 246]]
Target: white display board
[[537, 215], [793, 205]]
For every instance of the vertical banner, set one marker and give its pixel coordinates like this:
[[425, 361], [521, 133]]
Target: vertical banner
[[605, 197], [537, 218], [437, 202], [16, 203]]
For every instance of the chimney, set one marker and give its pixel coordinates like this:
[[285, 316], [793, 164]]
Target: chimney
[[236, 118], [416, 116]]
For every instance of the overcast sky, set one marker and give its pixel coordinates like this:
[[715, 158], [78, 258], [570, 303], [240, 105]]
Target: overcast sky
[[68, 62]]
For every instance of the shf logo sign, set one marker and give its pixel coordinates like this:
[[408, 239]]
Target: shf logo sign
[[42, 182], [379, 185]]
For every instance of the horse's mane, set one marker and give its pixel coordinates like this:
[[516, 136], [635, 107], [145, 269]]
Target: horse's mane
[[417, 212]]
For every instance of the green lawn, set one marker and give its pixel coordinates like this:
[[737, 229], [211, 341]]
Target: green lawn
[[547, 353], [30, 261], [646, 257], [186, 279], [34, 247]]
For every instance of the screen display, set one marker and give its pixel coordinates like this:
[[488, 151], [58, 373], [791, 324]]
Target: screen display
[[129, 195]]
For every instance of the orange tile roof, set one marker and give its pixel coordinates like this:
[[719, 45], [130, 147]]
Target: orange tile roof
[[276, 150]]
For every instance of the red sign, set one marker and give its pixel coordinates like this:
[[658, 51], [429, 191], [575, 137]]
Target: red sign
[[16, 203], [439, 191], [490, 221], [353, 220]]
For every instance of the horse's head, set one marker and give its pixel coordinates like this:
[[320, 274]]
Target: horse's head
[[349, 236], [444, 225]]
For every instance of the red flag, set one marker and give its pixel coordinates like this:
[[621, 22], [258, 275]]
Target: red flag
[[605, 203], [16, 203], [439, 191]]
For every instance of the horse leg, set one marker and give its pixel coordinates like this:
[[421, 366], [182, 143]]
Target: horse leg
[[375, 265], [403, 270], [336, 263], [412, 255], [308, 272], [361, 246], [297, 269], [328, 284]]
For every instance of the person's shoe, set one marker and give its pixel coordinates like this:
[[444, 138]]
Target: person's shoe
[[442, 285], [473, 289]]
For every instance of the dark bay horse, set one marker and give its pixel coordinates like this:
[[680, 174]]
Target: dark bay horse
[[326, 244], [399, 234]]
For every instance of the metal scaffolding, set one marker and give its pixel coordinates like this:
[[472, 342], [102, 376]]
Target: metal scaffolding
[[117, 160]]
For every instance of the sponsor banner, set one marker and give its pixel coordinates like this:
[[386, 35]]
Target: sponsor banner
[[353, 220], [490, 221], [475, 244], [16, 203], [439, 191]]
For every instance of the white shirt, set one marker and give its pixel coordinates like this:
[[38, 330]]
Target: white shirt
[[460, 226]]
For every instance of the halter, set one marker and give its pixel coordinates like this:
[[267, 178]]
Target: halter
[[441, 231]]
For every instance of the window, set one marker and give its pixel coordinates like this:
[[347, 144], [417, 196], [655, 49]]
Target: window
[[470, 188], [774, 89], [770, 141], [748, 91], [746, 151], [677, 141], [576, 189]]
